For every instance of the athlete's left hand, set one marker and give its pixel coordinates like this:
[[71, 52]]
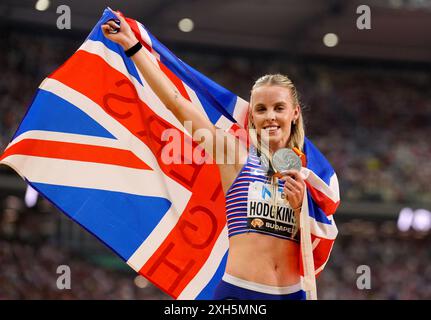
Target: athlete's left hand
[[294, 188]]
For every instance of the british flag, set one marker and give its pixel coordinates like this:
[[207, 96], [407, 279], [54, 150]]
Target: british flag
[[91, 143]]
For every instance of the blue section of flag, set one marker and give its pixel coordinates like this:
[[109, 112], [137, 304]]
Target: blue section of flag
[[49, 112], [315, 212], [97, 35], [317, 162], [122, 221], [215, 99], [208, 292]]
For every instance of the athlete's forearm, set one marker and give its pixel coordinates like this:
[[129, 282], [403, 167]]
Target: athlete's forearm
[[157, 80]]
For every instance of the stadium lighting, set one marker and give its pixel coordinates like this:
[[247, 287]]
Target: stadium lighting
[[30, 197], [330, 40], [405, 219], [42, 5], [419, 220], [186, 25], [422, 220]]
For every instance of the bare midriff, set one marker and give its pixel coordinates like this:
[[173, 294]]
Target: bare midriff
[[263, 259]]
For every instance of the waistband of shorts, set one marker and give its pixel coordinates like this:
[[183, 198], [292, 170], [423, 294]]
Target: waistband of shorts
[[263, 288]]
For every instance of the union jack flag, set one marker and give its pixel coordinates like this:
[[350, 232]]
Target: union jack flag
[[91, 143]]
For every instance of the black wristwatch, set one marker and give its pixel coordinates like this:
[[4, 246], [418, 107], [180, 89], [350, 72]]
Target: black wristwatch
[[132, 50]]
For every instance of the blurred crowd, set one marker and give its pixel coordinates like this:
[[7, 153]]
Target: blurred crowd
[[33, 272], [397, 263], [35, 249], [33, 246], [371, 122], [25, 61]]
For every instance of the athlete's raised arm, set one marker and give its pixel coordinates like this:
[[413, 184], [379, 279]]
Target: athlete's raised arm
[[182, 108]]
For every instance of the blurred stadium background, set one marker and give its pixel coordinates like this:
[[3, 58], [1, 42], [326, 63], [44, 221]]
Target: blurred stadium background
[[367, 104]]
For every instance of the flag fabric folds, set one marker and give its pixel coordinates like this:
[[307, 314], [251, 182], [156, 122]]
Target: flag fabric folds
[[91, 143]]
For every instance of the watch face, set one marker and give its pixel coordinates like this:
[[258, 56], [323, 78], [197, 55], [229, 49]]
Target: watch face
[[286, 159]]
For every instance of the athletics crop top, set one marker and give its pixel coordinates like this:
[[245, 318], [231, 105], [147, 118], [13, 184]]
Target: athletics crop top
[[251, 205]]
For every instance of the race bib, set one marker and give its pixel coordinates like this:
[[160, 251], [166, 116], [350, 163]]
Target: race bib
[[267, 215]]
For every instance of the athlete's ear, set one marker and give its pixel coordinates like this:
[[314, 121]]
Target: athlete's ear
[[296, 112], [252, 121]]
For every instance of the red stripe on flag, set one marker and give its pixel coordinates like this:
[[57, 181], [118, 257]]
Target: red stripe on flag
[[321, 252], [240, 133], [175, 80], [134, 26], [76, 151], [323, 201], [187, 247]]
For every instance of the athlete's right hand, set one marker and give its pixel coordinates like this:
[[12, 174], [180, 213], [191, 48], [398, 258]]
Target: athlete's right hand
[[124, 37]]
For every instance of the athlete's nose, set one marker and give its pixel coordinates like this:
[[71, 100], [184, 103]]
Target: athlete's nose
[[270, 115]]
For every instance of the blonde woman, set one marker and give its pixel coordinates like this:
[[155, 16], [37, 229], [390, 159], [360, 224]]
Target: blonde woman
[[263, 260]]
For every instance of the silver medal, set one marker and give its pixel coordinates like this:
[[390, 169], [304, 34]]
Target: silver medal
[[286, 159]]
